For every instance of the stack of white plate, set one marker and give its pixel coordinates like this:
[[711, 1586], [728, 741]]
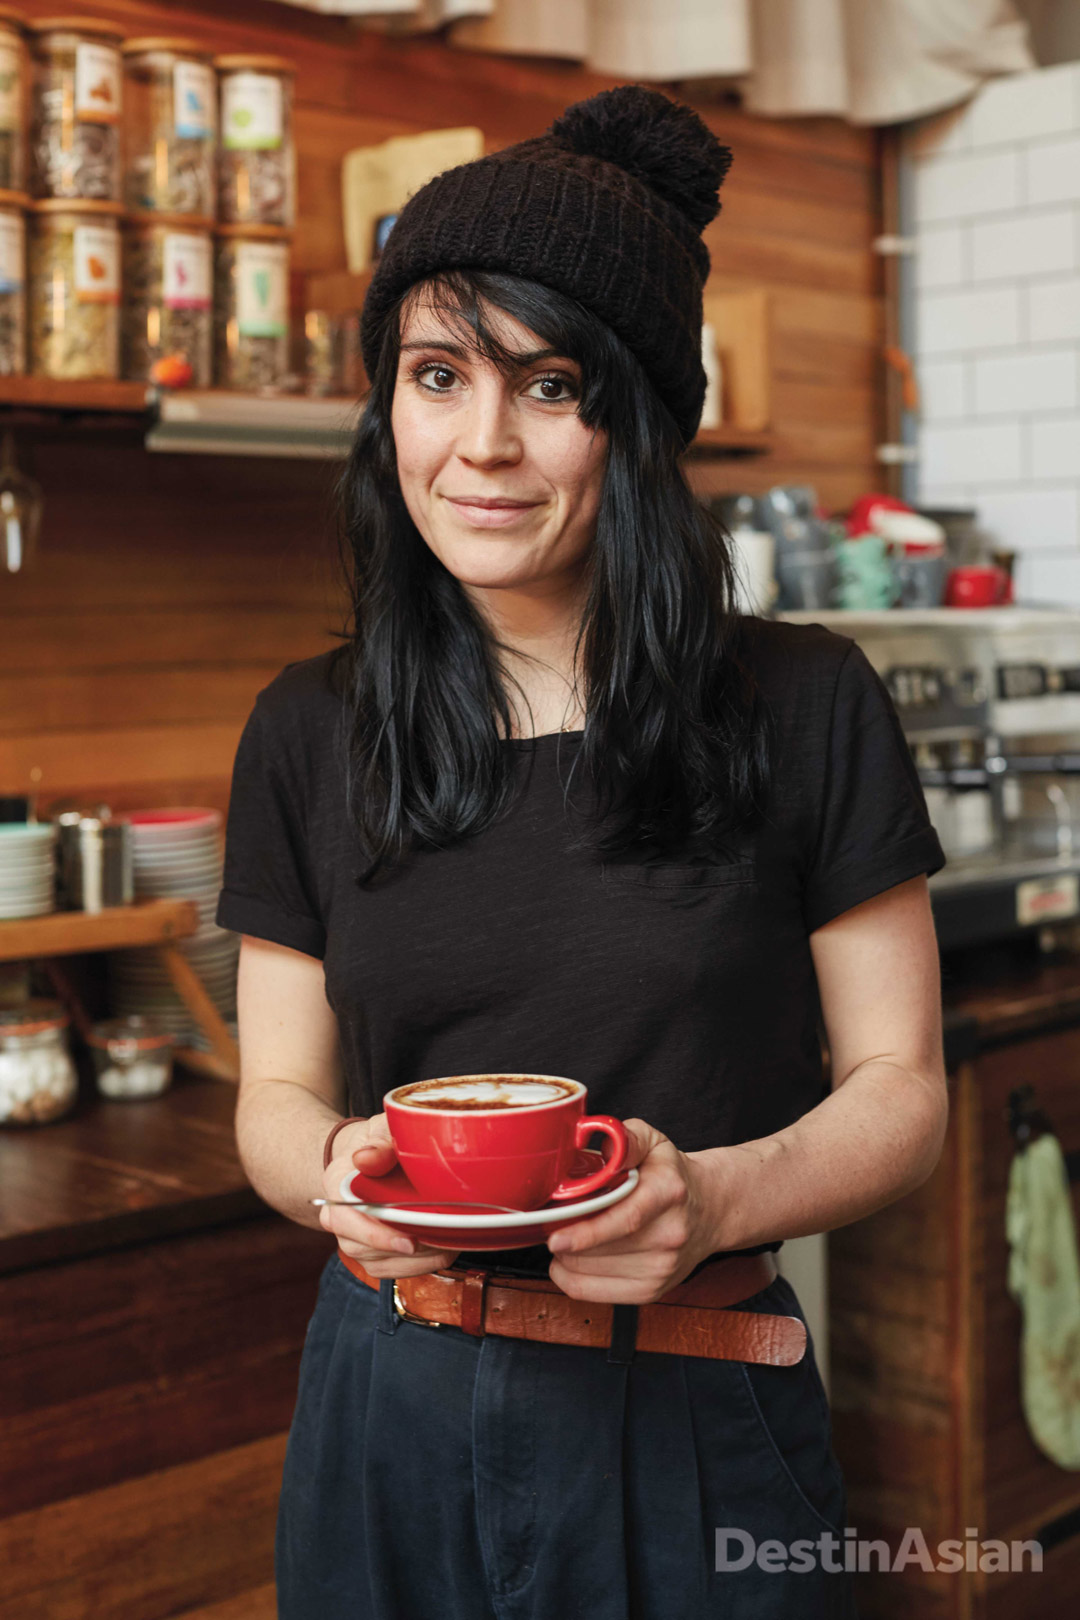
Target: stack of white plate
[[27, 869], [178, 854]]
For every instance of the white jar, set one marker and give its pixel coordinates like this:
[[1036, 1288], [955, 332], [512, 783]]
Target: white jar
[[132, 1058], [38, 1082]]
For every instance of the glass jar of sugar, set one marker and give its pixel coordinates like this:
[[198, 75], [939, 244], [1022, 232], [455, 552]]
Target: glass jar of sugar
[[38, 1082], [132, 1057]]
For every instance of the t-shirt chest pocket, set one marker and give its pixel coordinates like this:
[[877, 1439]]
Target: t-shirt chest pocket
[[679, 880]]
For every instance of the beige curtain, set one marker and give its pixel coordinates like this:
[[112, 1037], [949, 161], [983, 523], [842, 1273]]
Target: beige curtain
[[870, 61]]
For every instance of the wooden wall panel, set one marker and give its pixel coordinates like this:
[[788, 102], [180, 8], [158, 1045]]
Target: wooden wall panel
[[168, 589], [169, 1542], [187, 1346]]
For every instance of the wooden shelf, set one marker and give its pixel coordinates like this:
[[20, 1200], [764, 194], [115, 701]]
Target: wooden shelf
[[45, 393], [70, 933], [216, 421], [730, 441]]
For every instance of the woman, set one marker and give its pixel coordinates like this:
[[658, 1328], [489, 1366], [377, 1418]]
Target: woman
[[555, 808]]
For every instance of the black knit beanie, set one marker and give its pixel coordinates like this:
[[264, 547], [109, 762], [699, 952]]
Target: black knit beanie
[[607, 207]]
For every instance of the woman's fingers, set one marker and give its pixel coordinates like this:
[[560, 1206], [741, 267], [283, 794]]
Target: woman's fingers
[[396, 1265], [365, 1230], [375, 1158], [610, 1288], [621, 1223], [660, 1189], [599, 1233]]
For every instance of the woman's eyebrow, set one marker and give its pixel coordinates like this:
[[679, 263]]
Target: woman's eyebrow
[[459, 352]]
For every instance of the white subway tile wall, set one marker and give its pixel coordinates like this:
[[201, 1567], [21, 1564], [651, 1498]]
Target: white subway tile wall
[[967, 322], [1031, 381], [1053, 310], [941, 257], [944, 386], [996, 199]]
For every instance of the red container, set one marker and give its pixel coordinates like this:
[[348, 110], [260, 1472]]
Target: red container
[[978, 586], [519, 1157]]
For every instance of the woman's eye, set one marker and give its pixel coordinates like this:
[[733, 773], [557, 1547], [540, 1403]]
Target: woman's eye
[[435, 378], [556, 389]]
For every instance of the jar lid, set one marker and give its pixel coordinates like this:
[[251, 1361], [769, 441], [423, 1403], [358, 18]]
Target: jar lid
[[258, 233], [146, 219], [76, 205], [14, 199], [153, 42], [33, 1018], [254, 64], [123, 1037], [76, 25]]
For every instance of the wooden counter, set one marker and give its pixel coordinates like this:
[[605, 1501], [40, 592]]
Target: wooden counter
[[152, 1313], [126, 1172], [924, 1336]]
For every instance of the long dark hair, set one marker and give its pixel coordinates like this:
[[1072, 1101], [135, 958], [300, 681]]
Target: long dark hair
[[675, 743]]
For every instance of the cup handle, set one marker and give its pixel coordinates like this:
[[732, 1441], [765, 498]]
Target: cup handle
[[581, 1186]]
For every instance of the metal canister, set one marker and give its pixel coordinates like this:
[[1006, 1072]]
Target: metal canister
[[96, 862], [67, 860]]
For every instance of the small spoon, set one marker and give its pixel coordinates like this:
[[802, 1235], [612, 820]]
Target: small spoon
[[351, 1203]]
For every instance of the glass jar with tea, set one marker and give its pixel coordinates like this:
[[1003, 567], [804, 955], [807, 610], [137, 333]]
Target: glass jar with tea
[[168, 298], [75, 124], [251, 307], [12, 101], [257, 158], [74, 289], [12, 283], [170, 118]]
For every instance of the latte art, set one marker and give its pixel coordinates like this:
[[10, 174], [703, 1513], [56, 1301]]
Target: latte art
[[470, 1092]]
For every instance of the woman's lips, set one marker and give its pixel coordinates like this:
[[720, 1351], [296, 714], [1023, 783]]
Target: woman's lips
[[490, 517]]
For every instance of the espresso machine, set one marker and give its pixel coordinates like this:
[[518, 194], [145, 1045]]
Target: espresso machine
[[989, 700]]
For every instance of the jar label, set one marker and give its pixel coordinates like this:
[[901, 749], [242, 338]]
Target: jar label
[[12, 253], [97, 264], [186, 271], [193, 100], [262, 289], [97, 83], [252, 111], [10, 75]]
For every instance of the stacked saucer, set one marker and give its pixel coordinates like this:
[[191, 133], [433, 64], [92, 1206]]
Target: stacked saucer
[[178, 854], [27, 869]]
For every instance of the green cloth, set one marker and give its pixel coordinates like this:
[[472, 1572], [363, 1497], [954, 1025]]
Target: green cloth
[[1044, 1279]]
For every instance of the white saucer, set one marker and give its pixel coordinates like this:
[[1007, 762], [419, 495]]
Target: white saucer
[[513, 1229]]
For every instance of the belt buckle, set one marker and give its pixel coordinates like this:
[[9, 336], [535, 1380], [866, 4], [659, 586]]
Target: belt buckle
[[407, 1315]]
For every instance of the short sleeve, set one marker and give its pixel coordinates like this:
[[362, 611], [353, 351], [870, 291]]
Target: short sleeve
[[268, 890], [873, 827]]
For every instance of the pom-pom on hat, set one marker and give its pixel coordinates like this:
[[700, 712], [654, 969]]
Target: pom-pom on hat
[[607, 207]]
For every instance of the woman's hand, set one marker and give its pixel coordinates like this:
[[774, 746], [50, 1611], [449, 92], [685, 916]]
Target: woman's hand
[[632, 1253], [367, 1146]]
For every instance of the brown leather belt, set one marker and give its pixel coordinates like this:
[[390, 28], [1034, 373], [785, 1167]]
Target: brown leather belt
[[692, 1319]]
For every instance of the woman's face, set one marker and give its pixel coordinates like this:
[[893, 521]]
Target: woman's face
[[499, 473]]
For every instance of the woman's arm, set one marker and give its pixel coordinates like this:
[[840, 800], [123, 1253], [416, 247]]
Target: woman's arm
[[877, 1136], [292, 1091], [879, 1133], [291, 1084]]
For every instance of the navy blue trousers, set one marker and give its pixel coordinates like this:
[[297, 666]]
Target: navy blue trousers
[[434, 1476]]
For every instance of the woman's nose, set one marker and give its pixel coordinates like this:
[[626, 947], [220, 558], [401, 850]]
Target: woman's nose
[[487, 432]]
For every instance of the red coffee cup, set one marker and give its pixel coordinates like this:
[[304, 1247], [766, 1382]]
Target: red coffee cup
[[509, 1139], [977, 585]]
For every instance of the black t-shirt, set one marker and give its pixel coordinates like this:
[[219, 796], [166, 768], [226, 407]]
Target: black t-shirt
[[680, 993]]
